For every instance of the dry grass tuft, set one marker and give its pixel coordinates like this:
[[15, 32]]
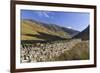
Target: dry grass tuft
[[79, 52]]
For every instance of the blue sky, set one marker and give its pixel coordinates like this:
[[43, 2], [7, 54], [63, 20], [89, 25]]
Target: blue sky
[[73, 20]]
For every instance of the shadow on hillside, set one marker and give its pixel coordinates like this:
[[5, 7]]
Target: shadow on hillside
[[46, 37]]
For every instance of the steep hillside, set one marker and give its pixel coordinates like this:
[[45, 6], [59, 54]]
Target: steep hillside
[[31, 30], [84, 35], [35, 30], [57, 29], [72, 32], [62, 31]]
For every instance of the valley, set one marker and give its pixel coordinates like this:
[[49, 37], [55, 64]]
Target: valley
[[42, 42]]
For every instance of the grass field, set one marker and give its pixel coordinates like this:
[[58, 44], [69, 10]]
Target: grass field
[[79, 52]]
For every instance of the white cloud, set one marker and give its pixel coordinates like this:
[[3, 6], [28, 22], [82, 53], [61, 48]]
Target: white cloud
[[69, 27], [45, 14], [41, 14]]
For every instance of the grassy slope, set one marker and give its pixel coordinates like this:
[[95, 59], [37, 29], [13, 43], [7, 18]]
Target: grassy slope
[[28, 27], [78, 52]]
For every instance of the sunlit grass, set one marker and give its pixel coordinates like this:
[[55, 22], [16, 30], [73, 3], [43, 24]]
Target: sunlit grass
[[78, 52]]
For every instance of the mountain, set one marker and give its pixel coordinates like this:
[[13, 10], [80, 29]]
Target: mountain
[[84, 35], [72, 32], [64, 31], [57, 29], [35, 30]]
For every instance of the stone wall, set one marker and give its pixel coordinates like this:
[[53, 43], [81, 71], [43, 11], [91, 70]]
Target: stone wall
[[42, 52]]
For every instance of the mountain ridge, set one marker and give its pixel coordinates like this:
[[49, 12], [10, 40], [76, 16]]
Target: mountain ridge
[[84, 35], [32, 27]]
